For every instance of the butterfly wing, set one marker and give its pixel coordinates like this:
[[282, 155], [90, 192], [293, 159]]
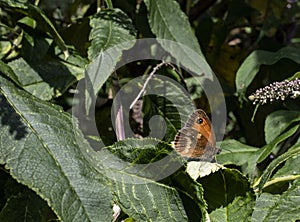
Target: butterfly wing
[[196, 140]]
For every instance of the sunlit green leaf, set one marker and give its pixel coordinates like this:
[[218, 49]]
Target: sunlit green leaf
[[112, 32], [45, 150], [166, 26]]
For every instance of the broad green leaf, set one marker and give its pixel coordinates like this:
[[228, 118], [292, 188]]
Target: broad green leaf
[[284, 207], [112, 32], [42, 20], [46, 79], [252, 63], [223, 186], [168, 22], [152, 158], [234, 152], [278, 121], [294, 151], [149, 201], [44, 149], [240, 209], [38, 146], [267, 149]]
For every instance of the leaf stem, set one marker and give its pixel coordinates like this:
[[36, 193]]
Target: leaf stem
[[146, 83], [109, 4]]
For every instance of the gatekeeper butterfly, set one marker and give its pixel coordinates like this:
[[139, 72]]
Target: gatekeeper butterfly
[[196, 140]]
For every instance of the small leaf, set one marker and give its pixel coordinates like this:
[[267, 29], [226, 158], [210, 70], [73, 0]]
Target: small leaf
[[295, 76], [252, 63], [200, 169], [279, 121]]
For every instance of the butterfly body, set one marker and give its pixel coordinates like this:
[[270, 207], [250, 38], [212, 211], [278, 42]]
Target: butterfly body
[[196, 140]]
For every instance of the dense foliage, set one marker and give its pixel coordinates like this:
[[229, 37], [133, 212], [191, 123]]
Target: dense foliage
[[62, 66]]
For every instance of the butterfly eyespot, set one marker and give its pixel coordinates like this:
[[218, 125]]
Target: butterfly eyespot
[[200, 121]]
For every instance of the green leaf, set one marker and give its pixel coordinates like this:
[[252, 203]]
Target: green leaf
[[109, 4], [279, 121], [45, 150], [112, 32], [46, 79], [240, 209], [38, 15], [149, 201], [295, 76], [234, 152], [283, 207], [290, 167], [168, 22], [267, 149], [223, 186], [135, 160], [152, 158], [252, 63], [109, 28], [191, 193], [41, 152], [294, 151]]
